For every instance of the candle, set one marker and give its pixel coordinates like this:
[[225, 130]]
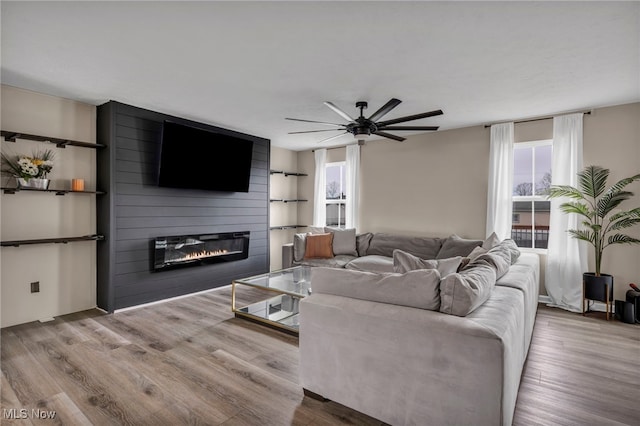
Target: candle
[[77, 184]]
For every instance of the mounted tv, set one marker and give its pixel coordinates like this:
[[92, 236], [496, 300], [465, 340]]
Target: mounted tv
[[200, 159]]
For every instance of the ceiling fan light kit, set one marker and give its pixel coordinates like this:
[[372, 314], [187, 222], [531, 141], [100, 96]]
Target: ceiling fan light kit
[[362, 128]]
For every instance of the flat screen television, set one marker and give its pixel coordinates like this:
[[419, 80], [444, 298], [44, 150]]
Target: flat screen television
[[199, 159]]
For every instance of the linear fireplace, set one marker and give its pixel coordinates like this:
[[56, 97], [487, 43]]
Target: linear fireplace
[[193, 250]]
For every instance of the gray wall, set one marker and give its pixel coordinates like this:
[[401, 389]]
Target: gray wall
[[135, 211]]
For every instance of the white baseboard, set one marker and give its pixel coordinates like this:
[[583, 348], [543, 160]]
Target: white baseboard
[[596, 306]]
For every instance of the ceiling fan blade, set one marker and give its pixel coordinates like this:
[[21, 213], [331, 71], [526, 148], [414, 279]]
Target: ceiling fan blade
[[315, 131], [390, 136], [410, 117], [338, 111], [408, 127], [333, 137], [317, 122], [385, 109]]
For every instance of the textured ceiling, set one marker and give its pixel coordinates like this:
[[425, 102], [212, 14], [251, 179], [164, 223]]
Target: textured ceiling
[[248, 65]]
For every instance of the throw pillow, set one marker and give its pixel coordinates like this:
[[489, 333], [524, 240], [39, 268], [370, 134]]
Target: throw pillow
[[404, 262], [498, 258], [476, 252], [465, 261], [491, 241], [462, 293], [344, 241], [299, 246], [456, 246], [362, 243], [319, 246], [513, 249]]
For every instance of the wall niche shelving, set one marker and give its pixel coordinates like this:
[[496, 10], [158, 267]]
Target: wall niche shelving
[[286, 200], [12, 136]]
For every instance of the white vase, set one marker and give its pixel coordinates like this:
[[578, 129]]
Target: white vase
[[33, 183]]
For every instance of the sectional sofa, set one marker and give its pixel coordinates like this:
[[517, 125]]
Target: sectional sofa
[[433, 343]]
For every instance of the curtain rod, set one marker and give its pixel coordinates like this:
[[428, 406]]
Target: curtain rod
[[335, 147], [541, 118]]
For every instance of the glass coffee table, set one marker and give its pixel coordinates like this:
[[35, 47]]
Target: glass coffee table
[[280, 311]]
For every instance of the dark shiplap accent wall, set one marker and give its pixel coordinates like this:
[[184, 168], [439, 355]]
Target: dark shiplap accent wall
[[135, 211]]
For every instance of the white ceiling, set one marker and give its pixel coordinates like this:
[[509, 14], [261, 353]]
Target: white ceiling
[[248, 65]]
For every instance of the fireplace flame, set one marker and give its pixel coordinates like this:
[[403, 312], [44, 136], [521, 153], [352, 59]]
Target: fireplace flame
[[202, 254]]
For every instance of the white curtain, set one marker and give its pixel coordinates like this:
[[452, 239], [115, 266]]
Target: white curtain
[[566, 256], [320, 189], [352, 171], [499, 204]]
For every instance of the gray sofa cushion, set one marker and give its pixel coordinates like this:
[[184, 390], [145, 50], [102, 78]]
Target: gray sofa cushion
[[362, 243], [456, 246], [424, 247], [417, 289], [463, 292], [344, 240], [371, 263], [404, 262]]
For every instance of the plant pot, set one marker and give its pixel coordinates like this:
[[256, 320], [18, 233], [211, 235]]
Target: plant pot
[[33, 183], [595, 288]]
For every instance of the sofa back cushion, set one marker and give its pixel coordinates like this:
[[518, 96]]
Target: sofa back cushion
[[456, 246], [416, 289], [463, 292], [362, 243], [424, 247]]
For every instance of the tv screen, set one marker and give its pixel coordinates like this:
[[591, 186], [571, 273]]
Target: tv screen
[[200, 159]]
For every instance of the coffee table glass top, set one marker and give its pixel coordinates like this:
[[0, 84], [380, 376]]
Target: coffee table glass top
[[294, 281], [281, 311]]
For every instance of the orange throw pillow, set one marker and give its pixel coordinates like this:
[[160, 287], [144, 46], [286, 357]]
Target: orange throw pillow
[[319, 246]]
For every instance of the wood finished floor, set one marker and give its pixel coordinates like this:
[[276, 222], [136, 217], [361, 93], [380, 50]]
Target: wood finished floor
[[189, 362]]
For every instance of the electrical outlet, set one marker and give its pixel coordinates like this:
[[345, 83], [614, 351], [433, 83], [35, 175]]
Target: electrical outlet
[[35, 287]]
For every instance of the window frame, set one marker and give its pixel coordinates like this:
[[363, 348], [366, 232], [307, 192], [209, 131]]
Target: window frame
[[531, 198], [338, 201]]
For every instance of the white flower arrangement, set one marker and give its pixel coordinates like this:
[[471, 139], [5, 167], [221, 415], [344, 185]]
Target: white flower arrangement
[[38, 165]]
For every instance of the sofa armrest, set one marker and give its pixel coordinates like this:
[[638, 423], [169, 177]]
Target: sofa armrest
[[287, 255]]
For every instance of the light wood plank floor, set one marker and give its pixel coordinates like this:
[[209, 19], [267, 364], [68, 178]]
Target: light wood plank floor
[[189, 361]]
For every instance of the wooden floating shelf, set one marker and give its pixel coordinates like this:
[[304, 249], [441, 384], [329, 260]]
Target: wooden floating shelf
[[274, 200], [65, 240], [10, 136], [10, 190], [274, 228], [282, 172]]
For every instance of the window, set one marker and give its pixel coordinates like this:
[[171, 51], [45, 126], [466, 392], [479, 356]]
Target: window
[[531, 182], [335, 195]]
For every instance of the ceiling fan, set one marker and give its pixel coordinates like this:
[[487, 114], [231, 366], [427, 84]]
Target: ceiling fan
[[362, 128]]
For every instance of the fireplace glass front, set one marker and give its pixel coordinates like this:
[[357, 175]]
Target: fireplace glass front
[[193, 250]]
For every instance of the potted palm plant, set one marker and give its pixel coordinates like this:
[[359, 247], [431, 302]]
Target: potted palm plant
[[602, 222]]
